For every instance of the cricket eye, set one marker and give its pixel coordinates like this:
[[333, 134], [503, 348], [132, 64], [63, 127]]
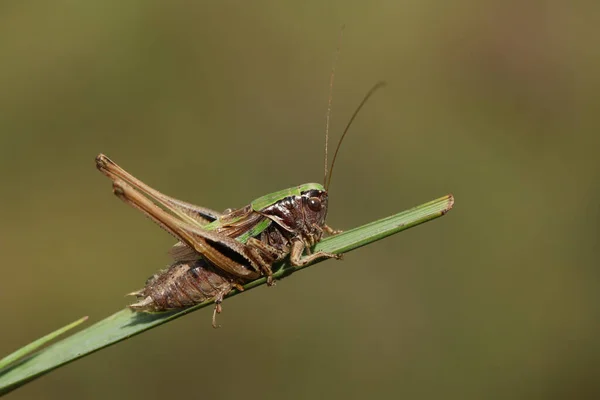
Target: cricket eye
[[314, 203]]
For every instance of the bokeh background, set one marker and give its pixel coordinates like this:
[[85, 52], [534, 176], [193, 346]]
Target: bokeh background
[[218, 103]]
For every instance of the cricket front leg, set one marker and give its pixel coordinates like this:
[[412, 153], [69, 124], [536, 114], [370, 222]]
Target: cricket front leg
[[331, 231], [297, 259]]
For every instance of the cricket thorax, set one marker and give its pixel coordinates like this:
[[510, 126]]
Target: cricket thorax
[[301, 215]]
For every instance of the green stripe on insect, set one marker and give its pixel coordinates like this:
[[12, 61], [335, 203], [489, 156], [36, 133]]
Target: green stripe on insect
[[272, 198]]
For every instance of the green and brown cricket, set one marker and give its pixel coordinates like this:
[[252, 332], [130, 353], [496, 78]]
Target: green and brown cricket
[[218, 252]]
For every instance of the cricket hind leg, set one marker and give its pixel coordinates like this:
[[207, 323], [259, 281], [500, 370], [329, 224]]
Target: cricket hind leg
[[217, 310], [114, 172], [218, 307]]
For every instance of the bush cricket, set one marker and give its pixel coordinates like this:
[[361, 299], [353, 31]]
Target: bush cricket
[[218, 252]]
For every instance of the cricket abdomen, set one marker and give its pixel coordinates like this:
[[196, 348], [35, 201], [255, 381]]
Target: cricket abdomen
[[183, 284]]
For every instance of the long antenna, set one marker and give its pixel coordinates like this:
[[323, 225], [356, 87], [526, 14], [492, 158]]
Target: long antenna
[[331, 77], [377, 86]]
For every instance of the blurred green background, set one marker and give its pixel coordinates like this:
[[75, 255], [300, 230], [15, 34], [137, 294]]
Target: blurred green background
[[218, 103]]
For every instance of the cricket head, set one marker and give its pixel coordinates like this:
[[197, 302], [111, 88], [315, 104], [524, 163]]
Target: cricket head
[[302, 213], [314, 207]]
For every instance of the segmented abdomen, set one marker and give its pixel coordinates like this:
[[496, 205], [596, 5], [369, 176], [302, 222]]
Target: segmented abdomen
[[183, 284]]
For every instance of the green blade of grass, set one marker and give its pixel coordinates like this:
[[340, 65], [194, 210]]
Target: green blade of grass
[[31, 347], [126, 323]]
